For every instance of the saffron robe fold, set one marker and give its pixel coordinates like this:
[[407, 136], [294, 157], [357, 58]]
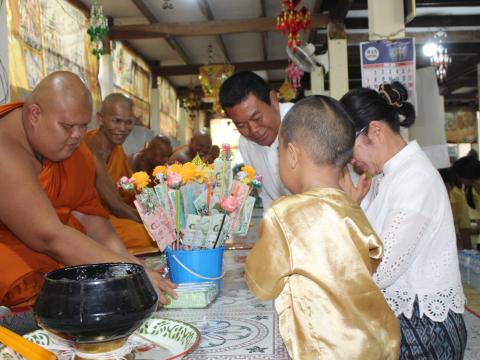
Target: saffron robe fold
[[134, 235], [70, 186], [316, 254]]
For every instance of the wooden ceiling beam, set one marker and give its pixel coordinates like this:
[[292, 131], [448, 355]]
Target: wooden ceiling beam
[[317, 5], [202, 28], [264, 35], [177, 70], [153, 19], [207, 12], [337, 13], [194, 69], [80, 6], [423, 22], [421, 37]]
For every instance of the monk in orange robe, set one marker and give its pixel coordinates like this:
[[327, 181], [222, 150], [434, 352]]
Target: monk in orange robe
[[50, 213], [200, 143], [116, 120]]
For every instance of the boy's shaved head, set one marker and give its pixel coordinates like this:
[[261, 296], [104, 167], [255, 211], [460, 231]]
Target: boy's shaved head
[[322, 127]]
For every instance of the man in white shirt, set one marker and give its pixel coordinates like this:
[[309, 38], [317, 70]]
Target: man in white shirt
[[256, 112]]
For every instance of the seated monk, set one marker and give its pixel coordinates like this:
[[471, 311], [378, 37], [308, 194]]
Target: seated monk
[[157, 152], [50, 213], [200, 143], [214, 153], [116, 121]]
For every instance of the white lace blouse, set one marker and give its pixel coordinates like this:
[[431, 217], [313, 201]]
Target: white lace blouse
[[408, 207]]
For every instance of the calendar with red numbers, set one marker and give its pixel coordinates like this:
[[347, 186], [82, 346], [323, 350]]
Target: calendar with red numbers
[[387, 61]]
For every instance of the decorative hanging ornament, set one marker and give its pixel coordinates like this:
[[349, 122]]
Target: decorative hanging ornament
[[291, 21], [191, 103], [294, 75], [440, 59], [286, 91], [98, 28], [167, 5], [211, 78]]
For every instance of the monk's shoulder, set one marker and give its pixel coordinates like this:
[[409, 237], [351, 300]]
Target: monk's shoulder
[[94, 146], [14, 151]]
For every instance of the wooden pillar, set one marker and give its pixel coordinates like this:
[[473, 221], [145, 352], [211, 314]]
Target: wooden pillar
[[317, 83], [338, 62], [386, 21]]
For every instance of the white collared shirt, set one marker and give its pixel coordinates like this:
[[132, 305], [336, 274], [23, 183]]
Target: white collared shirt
[[265, 160], [408, 207]]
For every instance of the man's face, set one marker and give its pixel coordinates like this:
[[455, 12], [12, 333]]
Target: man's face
[[201, 144], [256, 120], [117, 122], [58, 132], [159, 152]]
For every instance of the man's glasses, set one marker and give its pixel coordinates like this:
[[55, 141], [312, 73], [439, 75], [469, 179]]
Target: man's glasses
[[361, 131]]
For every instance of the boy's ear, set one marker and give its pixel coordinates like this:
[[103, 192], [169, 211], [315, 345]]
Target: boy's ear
[[293, 155]]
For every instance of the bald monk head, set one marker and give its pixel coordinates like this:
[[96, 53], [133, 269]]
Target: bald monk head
[[56, 115], [157, 152], [200, 143], [116, 118]]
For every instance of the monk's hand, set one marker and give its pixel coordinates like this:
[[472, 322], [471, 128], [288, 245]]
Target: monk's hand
[[357, 193], [162, 286]]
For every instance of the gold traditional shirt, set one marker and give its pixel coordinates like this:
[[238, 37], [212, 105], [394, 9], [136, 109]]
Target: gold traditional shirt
[[316, 254], [461, 215]]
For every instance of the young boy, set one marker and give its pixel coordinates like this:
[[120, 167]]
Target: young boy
[[316, 250]]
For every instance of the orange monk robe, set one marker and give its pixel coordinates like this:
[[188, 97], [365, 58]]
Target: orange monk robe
[[134, 235], [117, 167], [70, 186]]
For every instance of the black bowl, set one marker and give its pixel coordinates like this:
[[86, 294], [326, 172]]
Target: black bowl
[[95, 303]]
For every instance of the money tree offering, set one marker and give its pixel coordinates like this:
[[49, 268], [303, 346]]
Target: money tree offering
[[194, 206]]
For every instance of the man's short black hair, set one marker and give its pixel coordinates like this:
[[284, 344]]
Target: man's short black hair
[[241, 84], [322, 127]]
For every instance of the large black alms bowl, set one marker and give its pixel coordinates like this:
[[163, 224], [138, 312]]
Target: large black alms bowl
[[95, 303]]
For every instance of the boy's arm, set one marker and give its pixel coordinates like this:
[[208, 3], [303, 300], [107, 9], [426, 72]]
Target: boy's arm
[[269, 262]]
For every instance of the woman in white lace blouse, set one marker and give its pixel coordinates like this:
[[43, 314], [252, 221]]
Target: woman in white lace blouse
[[408, 206]]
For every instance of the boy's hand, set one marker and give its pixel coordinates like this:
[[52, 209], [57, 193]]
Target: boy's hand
[[162, 285], [358, 192]]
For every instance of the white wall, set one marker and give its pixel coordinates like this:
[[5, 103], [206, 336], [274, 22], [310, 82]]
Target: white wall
[[4, 82]]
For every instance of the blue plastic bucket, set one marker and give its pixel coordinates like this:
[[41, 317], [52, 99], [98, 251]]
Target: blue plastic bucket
[[195, 265]]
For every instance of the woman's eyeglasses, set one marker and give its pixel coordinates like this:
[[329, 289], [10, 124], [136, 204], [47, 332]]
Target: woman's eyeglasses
[[361, 131]]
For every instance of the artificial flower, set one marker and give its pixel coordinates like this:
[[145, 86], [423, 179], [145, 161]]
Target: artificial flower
[[257, 182], [176, 168], [174, 180], [250, 171], [241, 175], [140, 179], [125, 183], [229, 203], [189, 172], [159, 170]]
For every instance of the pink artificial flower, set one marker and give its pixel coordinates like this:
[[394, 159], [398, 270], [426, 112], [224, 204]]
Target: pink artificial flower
[[174, 180], [229, 203], [226, 147]]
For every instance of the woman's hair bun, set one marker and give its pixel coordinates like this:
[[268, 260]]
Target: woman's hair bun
[[396, 95]]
